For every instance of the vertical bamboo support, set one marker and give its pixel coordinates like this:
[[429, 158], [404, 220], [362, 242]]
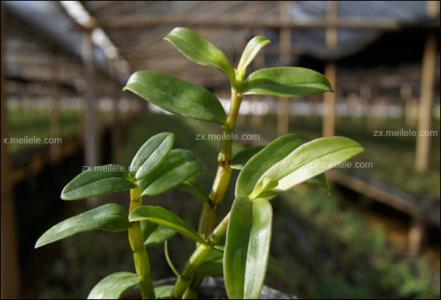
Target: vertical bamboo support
[[9, 263], [283, 107], [55, 118], [428, 73], [90, 105], [116, 129], [259, 62], [409, 115], [416, 236], [329, 118]]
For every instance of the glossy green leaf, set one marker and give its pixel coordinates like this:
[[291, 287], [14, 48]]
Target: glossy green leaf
[[290, 82], [155, 234], [177, 96], [263, 160], [114, 285], [164, 217], [97, 181], [164, 292], [151, 154], [178, 166], [252, 48], [311, 159], [109, 217], [196, 48], [247, 248], [241, 158]]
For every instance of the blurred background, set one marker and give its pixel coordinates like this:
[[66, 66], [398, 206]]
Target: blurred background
[[374, 235]]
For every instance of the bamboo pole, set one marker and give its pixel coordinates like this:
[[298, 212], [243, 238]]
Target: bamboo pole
[[9, 259], [283, 107], [426, 103], [259, 62], [416, 236], [55, 118], [428, 73], [330, 72], [90, 105], [116, 118]]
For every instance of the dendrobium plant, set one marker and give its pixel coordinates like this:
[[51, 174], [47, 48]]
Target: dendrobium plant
[[157, 168]]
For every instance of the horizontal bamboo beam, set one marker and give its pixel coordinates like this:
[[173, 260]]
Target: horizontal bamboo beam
[[132, 21]]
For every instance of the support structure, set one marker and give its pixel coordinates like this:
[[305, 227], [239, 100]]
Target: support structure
[[259, 62], [9, 259], [116, 131], [410, 114], [428, 74], [283, 107], [90, 105], [330, 72], [55, 118], [416, 236]]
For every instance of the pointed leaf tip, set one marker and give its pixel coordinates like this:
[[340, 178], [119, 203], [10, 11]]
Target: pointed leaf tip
[[151, 154], [108, 217], [199, 50], [292, 82]]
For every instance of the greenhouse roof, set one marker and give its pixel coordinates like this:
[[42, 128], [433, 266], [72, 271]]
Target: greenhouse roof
[[137, 28]]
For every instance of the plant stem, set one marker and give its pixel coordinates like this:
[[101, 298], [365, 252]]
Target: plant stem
[[140, 257], [222, 180], [198, 257]]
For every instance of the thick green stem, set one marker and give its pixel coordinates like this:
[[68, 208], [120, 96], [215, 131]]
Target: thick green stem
[[198, 257], [223, 174], [140, 257]]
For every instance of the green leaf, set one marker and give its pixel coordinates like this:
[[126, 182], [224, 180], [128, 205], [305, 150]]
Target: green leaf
[[192, 187], [114, 285], [290, 82], [247, 248], [109, 217], [240, 159], [177, 96], [263, 160], [311, 159], [97, 181], [252, 48], [164, 292], [164, 217], [178, 166], [155, 234], [196, 48], [151, 154]]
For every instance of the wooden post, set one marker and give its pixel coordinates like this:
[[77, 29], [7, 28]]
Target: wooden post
[[55, 121], [416, 236], [330, 72], [283, 107], [116, 128], [9, 261], [259, 62], [409, 115], [90, 105], [428, 73]]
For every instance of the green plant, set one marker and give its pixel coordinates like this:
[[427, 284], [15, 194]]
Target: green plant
[[156, 168]]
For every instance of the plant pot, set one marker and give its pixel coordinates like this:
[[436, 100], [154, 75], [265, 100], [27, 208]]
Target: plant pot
[[213, 288]]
